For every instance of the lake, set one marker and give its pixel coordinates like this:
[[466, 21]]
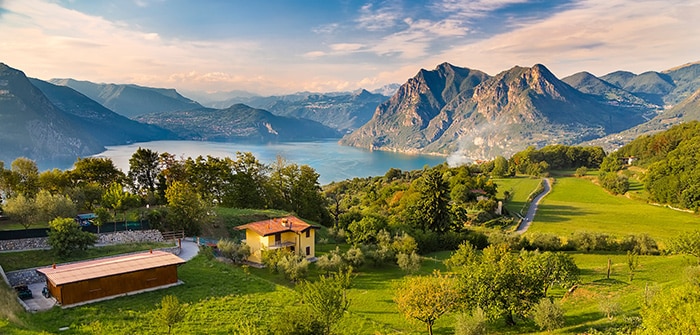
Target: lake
[[331, 161]]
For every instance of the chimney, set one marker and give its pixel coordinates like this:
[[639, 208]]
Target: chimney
[[53, 266]]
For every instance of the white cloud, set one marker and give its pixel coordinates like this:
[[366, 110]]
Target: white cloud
[[473, 8], [598, 36], [376, 19]]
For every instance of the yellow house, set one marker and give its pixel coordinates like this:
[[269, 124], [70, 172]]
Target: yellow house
[[288, 232]]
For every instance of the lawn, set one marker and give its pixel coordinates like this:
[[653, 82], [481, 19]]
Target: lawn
[[520, 188], [577, 204]]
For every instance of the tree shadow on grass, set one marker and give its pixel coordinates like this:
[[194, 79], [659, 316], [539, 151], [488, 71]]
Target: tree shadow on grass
[[558, 213]]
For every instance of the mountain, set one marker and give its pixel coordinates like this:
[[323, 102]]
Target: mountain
[[687, 80], [238, 123], [342, 111], [685, 111], [387, 90], [33, 127], [131, 100], [457, 109], [609, 93], [211, 99], [108, 127]]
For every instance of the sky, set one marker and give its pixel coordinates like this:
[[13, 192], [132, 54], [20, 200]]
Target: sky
[[281, 47]]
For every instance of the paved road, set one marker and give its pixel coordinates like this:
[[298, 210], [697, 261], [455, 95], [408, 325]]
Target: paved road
[[525, 223]]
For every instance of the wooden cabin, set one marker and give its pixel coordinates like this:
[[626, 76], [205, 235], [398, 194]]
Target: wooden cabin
[[84, 281]]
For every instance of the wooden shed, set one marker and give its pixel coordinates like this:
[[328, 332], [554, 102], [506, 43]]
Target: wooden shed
[[83, 281]]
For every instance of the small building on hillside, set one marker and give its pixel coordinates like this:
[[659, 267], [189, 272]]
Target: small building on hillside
[[288, 232], [90, 280]]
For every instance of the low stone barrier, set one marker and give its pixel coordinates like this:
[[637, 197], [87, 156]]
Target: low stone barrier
[[121, 237]]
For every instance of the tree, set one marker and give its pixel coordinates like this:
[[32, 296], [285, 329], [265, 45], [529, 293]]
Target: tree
[[171, 312], [248, 189], [143, 170], [500, 167], [21, 208], [119, 200], [66, 237], [103, 216], [55, 181], [21, 178], [687, 243], [326, 298], [50, 206], [499, 282], [550, 268], [408, 262], [431, 210], [94, 170], [237, 252], [548, 315], [187, 210], [426, 298]]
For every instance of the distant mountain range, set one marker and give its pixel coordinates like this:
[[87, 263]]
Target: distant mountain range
[[131, 100], [447, 110], [238, 123], [452, 110], [343, 111]]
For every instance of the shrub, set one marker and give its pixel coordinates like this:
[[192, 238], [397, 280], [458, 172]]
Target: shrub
[[548, 315], [544, 242], [294, 267], [642, 244], [410, 263], [473, 323], [235, 251], [66, 237]]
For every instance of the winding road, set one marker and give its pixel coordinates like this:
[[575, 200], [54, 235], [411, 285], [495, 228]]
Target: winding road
[[525, 223]]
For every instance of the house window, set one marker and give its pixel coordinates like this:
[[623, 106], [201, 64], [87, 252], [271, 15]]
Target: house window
[[308, 251], [278, 238], [291, 248], [308, 233]]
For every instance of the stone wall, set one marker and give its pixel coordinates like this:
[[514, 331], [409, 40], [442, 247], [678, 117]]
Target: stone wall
[[120, 237]]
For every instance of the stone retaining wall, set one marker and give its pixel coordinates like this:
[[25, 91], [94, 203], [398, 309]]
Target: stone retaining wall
[[120, 237]]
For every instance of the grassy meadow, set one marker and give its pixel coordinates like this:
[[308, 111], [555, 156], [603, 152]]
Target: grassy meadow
[[578, 204], [228, 299]]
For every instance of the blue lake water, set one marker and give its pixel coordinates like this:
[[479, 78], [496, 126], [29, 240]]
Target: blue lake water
[[333, 162]]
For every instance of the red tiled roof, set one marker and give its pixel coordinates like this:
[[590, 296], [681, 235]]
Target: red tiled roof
[[277, 225], [70, 273]]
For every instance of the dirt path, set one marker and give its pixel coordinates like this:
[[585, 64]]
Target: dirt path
[[525, 223]]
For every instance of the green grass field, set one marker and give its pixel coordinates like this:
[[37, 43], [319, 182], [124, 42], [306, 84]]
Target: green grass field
[[224, 299], [577, 204], [520, 188]]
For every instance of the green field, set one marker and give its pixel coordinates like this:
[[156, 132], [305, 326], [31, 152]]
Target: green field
[[577, 204], [224, 299], [520, 188]]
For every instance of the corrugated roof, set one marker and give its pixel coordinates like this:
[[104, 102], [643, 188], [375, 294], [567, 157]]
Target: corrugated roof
[[70, 273], [277, 225]]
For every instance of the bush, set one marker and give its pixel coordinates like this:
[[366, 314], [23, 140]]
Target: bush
[[66, 237], [294, 267], [585, 241], [410, 263], [473, 323], [296, 321], [237, 252], [544, 242], [548, 315], [642, 244]]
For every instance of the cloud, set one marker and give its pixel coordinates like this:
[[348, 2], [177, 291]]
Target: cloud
[[376, 19], [598, 36], [471, 9]]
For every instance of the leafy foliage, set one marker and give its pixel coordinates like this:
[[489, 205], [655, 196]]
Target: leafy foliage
[[235, 251], [66, 237], [171, 312], [326, 298], [426, 298], [548, 315]]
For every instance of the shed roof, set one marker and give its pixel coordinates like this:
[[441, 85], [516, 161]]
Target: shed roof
[[277, 225], [75, 272]]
